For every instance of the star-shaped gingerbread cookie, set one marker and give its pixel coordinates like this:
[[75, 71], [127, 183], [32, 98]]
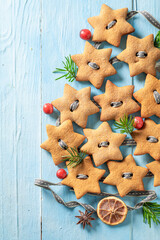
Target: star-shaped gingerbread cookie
[[75, 105], [141, 55], [83, 186], [103, 144], [148, 139], [93, 65], [154, 167], [126, 175], [116, 101], [149, 97], [59, 139], [110, 25]]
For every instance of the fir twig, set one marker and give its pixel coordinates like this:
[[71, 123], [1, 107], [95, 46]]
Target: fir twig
[[157, 40], [151, 211], [75, 157], [125, 124], [69, 71]]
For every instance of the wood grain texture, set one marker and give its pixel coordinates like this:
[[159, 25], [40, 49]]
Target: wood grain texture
[[35, 36], [20, 120]]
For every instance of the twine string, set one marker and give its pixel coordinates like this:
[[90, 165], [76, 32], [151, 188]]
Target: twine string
[[152, 139], [145, 14], [111, 24], [62, 144], [129, 142], [74, 105], [114, 60], [103, 144], [58, 122], [70, 204], [127, 175], [150, 195], [93, 65], [116, 104], [156, 96], [141, 54], [82, 176]]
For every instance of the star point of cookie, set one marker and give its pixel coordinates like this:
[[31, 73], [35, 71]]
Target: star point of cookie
[[116, 95], [119, 169], [92, 55], [141, 136], [145, 63], [102, 154], [110, 25], [154, 167], [65, 133], [145, 96], [84, 108], [83, 186]]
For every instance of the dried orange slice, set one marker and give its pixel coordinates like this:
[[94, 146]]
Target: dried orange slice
[[112, 210]]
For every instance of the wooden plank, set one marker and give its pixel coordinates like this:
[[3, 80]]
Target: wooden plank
[[8, 191], [61, 24], [20, 120], [142, 29]]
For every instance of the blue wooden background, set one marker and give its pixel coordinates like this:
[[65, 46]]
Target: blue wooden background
[[35, 35]]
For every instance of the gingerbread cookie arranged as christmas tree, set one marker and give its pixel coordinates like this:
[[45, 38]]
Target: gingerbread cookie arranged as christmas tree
[[149, 97], [126, 175], [116, 101], [75, 105], [93, 65], [110, 25], [103, 144], [141, 55], [60, 139], [81, 185], [116, 104]]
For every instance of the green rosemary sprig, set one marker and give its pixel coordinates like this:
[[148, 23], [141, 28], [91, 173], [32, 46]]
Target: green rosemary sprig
[[125, 124], [75, 157], [151, 211], [157, 40], [69, 71]]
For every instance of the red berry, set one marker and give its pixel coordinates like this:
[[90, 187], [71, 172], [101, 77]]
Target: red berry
[[85, 34], [138, 122], [48, 108], [61, 173]]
